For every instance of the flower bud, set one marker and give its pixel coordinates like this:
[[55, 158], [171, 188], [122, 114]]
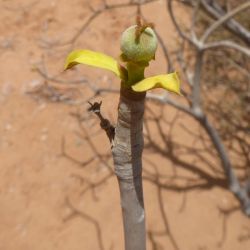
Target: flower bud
[[138, 47]]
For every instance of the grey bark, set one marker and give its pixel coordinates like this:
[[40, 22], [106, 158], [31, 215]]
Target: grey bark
[[127, 155], [196, 110], [234, 185], [216, 11]]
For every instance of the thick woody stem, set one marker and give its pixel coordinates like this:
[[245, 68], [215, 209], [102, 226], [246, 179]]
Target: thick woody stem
[[127, 152]]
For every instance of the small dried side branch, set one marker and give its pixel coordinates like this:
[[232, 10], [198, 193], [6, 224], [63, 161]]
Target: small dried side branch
[[104, 123]]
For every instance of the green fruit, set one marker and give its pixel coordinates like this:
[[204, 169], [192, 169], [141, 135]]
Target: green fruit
[[138, 47]]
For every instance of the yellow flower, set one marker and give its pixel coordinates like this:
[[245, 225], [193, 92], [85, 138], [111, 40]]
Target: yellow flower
[[169, 82]]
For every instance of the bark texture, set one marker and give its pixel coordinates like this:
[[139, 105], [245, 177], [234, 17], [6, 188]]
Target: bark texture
[[127, 155]]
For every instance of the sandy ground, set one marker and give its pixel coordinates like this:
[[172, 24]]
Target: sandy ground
[[49, 198]]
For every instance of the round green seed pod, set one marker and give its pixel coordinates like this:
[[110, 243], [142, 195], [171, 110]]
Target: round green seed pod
[[138, 47]]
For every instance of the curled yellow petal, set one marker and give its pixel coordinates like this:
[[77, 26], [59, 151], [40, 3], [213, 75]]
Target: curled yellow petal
[[170, 82], [95, 59]]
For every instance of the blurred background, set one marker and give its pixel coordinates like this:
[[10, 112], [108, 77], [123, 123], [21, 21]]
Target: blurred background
[[58, 190]]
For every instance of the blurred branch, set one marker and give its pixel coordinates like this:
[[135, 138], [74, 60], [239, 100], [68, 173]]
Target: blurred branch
[[195, 108], [194, 18], [42, 71], [164, 99], [96, 13], [223, 19], [182, 34], [196, 88], [227, 44], [215, 10]]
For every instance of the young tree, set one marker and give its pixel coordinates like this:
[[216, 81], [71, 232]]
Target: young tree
[[138, 46]]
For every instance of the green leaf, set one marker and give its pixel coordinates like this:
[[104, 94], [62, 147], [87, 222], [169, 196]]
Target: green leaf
[[95, 59], [170, 82]]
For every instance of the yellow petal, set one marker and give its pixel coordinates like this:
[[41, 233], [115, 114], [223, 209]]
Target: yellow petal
[[170, 82], [95, 59]]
